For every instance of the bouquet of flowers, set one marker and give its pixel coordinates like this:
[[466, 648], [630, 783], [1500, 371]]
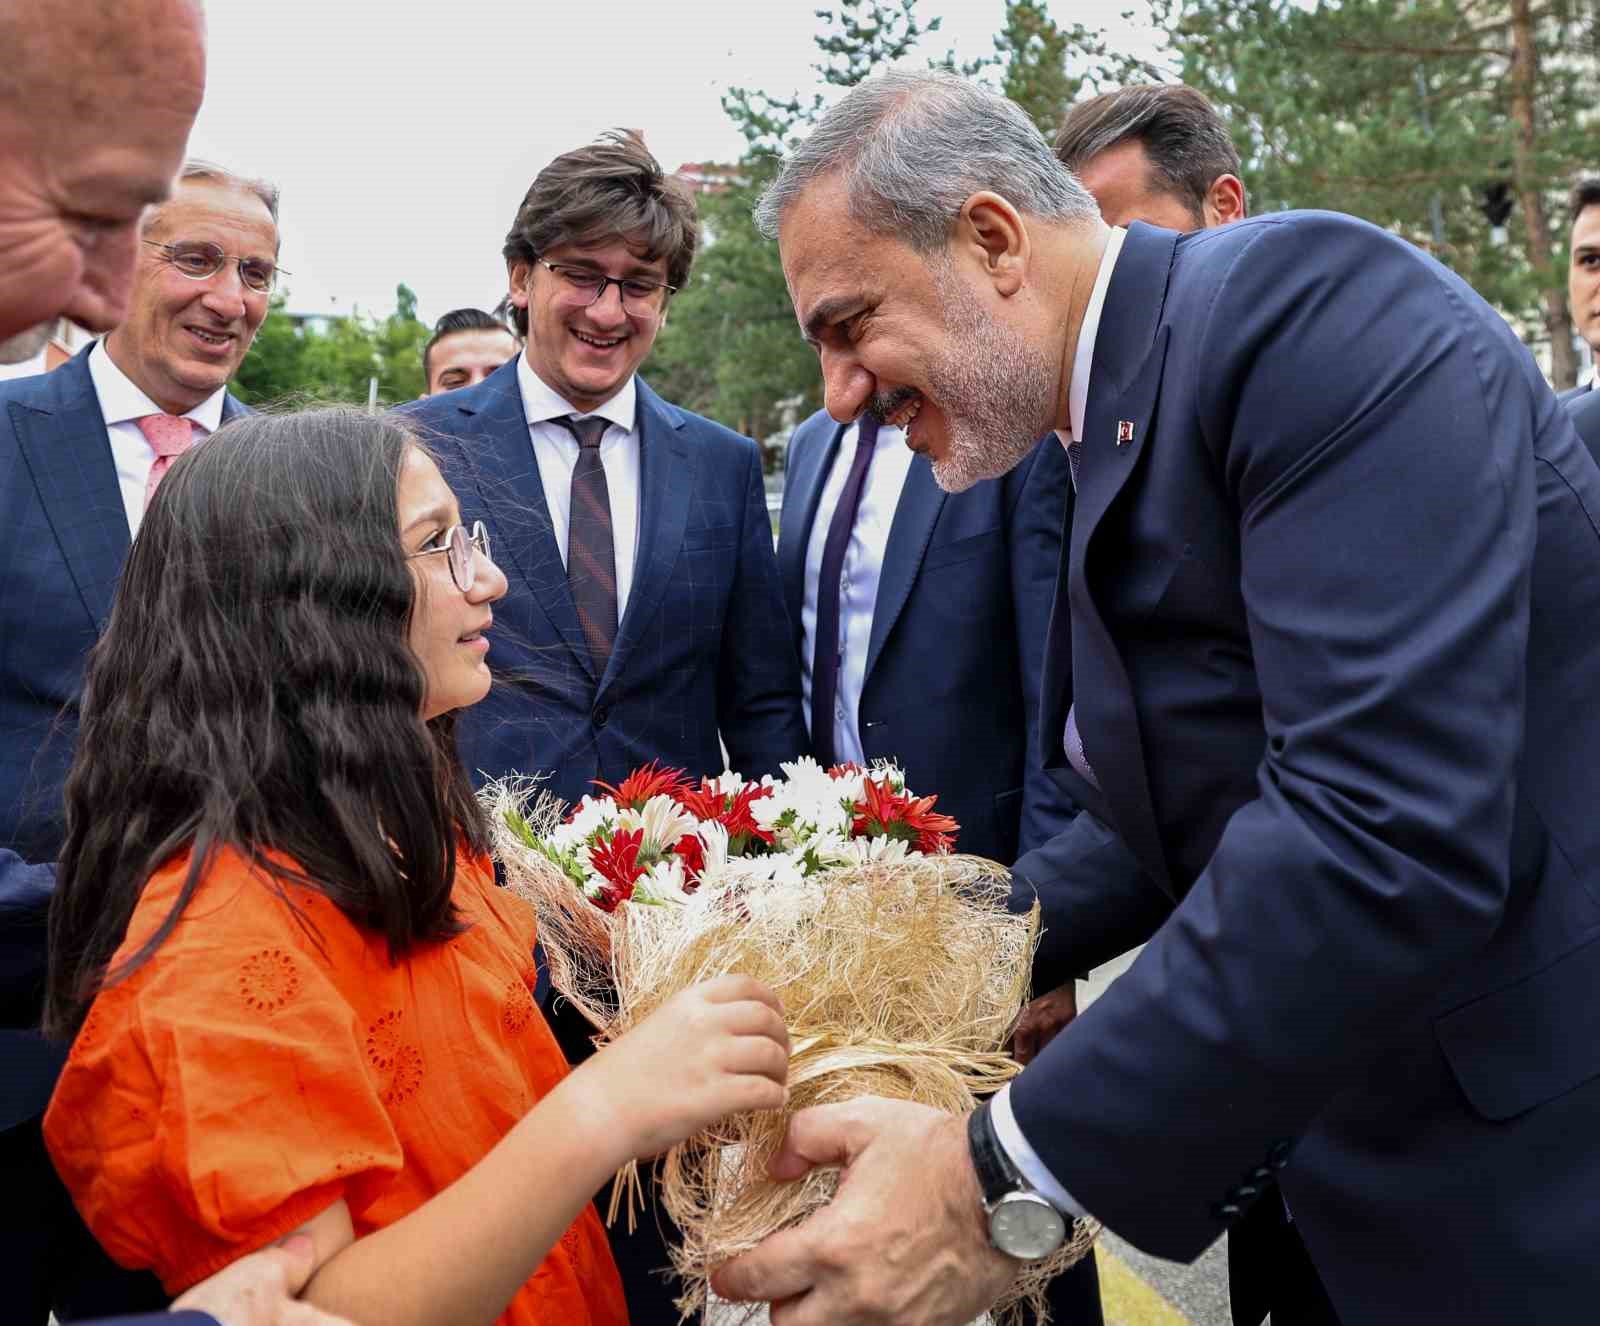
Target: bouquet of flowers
[[899, 965]]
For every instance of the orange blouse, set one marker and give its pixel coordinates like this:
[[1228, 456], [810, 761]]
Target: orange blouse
[[245, 1078]]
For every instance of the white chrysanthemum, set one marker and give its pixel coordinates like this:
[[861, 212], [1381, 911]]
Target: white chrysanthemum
[[663, 820], [728, 783], [714, 839], [862, 850], [592, 813], [664, 882]]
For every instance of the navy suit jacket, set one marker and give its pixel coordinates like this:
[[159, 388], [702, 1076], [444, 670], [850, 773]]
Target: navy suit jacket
[[952, 681], [1572, 395], [1584, 410], [1332, 622], [66, 539], [703, 646]]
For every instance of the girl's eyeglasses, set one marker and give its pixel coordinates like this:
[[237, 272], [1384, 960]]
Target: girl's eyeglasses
[[462, 547]]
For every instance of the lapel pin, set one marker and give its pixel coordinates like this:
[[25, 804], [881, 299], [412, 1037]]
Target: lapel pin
[[1124, 432]]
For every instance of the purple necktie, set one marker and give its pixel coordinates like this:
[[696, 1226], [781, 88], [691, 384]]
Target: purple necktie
[[591, 547], [825, 651]]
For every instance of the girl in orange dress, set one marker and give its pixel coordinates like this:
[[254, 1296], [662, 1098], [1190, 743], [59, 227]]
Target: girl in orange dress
[[298, 1001]]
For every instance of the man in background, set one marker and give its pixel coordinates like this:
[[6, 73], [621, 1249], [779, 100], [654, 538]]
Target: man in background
[[1583, 273], [466, 346], [81, 451], [1158, 153]]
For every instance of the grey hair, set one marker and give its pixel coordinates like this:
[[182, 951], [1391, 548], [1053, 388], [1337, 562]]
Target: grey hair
[[196, 168], [913, 147]]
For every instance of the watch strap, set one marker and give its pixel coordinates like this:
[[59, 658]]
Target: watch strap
[[996, 1175]]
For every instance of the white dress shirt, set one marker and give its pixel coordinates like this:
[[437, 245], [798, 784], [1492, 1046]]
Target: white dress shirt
[[858, 581], [121, 402], [1006, 1129], [556, 452]]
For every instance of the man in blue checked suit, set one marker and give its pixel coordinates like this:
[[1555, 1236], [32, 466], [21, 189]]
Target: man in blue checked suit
[[644, 620], [81, 449]]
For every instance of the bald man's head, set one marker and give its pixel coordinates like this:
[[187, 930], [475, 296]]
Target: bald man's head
[[97, 98]]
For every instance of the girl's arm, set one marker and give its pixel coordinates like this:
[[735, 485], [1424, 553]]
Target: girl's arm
[[716, 1049]]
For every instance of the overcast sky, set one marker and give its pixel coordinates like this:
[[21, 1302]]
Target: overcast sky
[[404, 133]]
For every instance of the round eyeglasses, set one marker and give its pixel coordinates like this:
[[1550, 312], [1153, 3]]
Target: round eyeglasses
[[200, 261], [462, 547]]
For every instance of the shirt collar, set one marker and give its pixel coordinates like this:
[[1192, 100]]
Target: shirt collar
[[542, 403], [122, 401], [1083, 359]]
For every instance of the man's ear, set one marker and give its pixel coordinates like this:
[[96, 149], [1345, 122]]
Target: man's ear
[[991, 230], [519, 271], [1224, 201]]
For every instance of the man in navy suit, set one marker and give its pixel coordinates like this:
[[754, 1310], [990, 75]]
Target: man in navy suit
[[1583, 408], [1331, 609], [964, 579], [644, 620], [80, 450], [1583, 272]]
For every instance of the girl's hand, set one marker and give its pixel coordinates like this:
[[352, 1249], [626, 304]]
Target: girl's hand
[[715, 1049]]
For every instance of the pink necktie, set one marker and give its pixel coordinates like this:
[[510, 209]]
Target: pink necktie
[[169, 436]]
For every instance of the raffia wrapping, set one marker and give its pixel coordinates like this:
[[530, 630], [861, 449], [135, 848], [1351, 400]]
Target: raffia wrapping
[[897, 979]]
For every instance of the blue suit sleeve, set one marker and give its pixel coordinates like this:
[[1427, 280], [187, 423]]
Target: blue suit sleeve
[[1379, 461], [758, 692]]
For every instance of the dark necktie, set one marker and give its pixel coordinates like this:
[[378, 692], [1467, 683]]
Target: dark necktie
[[1073, 740], [591, 548], [825, 653]]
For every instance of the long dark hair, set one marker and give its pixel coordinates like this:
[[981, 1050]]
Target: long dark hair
[[255, 689]]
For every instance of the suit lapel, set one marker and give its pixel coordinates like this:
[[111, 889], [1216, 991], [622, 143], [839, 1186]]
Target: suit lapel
[[64, 444], [1125, 381], [804, 480], [667, 470], [921, 501], [497, 450]]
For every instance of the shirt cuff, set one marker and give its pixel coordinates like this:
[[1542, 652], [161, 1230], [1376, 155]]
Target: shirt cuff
[[1024, 1158]]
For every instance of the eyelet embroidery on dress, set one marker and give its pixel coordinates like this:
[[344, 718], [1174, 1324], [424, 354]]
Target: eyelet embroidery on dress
[[518, 1010], [400, 1063], [268, 980]]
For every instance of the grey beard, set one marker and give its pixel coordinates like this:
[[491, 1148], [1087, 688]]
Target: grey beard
[[24, 345], [995, 391]]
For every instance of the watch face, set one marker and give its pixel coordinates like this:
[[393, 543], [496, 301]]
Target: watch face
[[1026, 1226]]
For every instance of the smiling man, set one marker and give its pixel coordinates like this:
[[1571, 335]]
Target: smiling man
[[644, 616], [1320, 663], [466, 346]]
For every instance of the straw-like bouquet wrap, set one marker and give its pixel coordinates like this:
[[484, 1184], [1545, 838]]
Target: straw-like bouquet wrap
[[898, 963]]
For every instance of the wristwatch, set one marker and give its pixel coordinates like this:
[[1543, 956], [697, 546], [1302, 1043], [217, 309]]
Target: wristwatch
[[1022, 1223]]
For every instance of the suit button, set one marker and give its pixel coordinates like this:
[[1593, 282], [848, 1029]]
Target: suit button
[[1226, 1211], [1278, 1157], [1260, 1174], [1245, 1192], [601, 716]]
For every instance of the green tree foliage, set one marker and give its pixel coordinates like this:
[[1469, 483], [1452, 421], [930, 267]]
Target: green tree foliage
[[289, 363], [1417, 115], [731, 349]]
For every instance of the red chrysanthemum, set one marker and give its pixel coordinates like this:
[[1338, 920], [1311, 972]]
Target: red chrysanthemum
[[883, 812], [729, 809], [616, 861], [642, 784], [692, 852]]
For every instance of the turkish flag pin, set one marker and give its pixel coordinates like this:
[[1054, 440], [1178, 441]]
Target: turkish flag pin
[[1124, 432]]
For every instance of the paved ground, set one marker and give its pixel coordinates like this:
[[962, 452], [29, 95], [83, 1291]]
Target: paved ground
[[1139, 1290]]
